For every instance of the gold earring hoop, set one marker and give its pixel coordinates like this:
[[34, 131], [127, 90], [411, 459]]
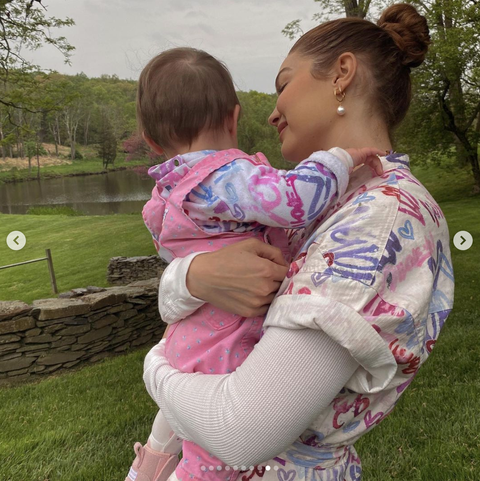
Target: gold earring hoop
[[340, 96]]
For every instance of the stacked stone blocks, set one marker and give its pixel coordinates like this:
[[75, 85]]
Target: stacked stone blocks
[[124, 270], [83, 326]]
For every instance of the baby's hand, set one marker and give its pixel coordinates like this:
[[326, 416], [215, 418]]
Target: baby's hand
[[367, 156]]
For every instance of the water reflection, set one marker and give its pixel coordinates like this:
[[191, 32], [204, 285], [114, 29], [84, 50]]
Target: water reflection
[[119, 192]]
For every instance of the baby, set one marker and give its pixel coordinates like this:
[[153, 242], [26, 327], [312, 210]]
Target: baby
[[208, 195]]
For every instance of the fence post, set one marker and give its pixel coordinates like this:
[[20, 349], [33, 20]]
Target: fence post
[[50, 269]]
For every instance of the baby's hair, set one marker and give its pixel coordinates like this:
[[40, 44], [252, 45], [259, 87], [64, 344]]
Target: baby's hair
[[389, 49], [181, 92]]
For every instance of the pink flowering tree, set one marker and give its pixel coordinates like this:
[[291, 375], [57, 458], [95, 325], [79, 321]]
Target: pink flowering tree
[[137, 149]]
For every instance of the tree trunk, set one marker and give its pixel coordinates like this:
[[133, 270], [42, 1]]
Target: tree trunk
[[43, 126], [476, 171], [74, 139], [38, 161], [58, 132], [460, 153], [353, 8], [53, 131], [458, 107], [3, 147], [85, 130]]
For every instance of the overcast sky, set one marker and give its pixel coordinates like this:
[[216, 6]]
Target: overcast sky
[[120, 36]]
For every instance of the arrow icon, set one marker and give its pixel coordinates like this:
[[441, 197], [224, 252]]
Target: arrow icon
[[16, 240], [463, 240]]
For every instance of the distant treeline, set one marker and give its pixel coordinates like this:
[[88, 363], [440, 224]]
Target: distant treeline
[[78, 111]]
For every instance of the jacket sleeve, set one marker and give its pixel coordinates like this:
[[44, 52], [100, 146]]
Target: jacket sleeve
[[255, 194]]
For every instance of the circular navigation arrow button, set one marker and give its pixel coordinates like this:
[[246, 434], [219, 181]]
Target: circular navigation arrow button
[[16, 240], [463, 240]]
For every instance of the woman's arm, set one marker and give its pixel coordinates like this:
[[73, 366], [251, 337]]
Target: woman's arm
[[255, 413]]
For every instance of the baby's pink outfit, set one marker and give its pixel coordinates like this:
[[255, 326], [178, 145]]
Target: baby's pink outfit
[[211, 340]]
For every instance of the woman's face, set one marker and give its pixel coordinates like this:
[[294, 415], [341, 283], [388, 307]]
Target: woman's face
[[305, 113]]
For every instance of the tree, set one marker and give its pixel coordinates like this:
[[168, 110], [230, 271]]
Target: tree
[[137, 149], [254, 133], [445, 110], [23, 24], [34, 149], [107, 147], [329, 9], [449, 81]]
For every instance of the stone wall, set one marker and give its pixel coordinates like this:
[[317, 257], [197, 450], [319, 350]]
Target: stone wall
[[124, 270], [83, 326]]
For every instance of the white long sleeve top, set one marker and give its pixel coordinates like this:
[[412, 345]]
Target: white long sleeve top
[[232, 415]]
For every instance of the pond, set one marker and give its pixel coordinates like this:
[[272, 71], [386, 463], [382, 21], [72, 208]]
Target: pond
[[120, 192]]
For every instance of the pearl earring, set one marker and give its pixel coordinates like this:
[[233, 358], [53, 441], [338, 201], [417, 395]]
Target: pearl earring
[[339, 96]]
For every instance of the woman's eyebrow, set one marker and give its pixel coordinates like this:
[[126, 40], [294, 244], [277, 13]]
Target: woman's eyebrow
[[277, 88]]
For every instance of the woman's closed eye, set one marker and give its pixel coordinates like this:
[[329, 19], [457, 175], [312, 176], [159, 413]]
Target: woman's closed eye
[[281, 89]]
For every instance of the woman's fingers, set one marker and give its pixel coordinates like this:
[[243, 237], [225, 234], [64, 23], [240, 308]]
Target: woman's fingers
[[252, 306], [242, 278], [266, 251]]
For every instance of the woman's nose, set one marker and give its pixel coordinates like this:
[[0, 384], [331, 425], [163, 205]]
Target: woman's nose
[[274, 117]]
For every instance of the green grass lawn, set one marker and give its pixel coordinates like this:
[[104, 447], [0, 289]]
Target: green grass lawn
[[81, 249], [78, 426], [81, 426]]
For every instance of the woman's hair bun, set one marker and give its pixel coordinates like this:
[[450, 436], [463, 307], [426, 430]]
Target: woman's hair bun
[[409, 31]]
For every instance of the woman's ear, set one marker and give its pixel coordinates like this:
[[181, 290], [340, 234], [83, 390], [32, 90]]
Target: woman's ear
[[344, 70], [155, 147]]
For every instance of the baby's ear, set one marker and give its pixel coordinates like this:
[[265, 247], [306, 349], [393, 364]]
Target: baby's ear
[[232, 121], [154, 146]]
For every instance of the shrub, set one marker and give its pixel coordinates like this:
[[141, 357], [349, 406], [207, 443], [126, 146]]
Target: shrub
[[58, 210]]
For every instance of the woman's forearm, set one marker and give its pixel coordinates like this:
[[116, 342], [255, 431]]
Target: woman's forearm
[[256, 412]]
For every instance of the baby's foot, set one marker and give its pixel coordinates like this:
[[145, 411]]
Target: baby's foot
[[150, 465]]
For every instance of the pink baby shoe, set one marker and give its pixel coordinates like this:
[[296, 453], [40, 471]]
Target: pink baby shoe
[[150, 465]]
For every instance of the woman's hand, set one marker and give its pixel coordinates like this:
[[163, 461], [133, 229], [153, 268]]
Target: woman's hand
[[241, 278]]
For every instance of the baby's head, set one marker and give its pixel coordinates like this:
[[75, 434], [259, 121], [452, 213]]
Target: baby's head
[[184, 94]]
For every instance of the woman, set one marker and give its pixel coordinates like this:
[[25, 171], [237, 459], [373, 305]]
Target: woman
[[363, 302]]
